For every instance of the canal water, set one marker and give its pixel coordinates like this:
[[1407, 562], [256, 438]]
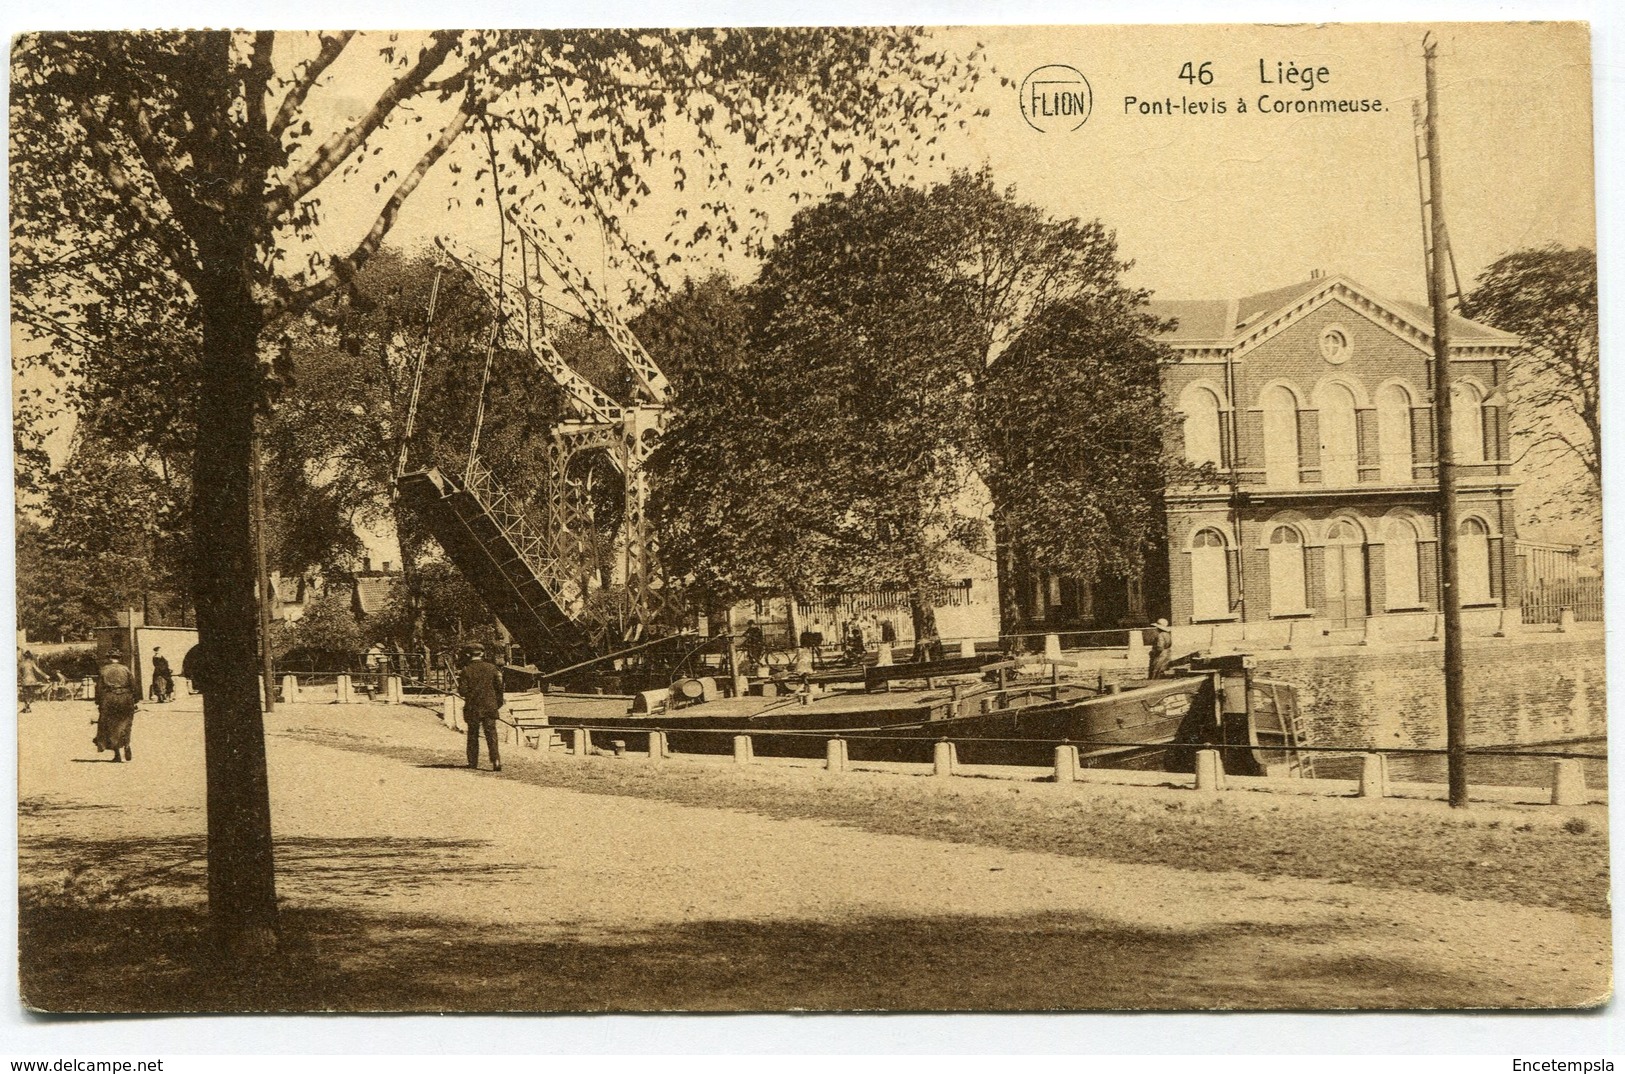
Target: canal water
[[1498, 771]]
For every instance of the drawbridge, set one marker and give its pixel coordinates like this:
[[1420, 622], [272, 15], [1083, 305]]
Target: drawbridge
[[535, 561]]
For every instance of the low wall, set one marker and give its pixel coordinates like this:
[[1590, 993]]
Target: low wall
[[1534, 688]]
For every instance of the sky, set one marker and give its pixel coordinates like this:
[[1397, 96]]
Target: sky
[[1215, 205]]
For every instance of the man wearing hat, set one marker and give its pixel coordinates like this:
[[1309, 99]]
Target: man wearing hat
[[115, 705], [481, 687], [1160, 641]]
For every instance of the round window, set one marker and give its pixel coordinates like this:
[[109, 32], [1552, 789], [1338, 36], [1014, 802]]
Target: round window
[[1334, 344]]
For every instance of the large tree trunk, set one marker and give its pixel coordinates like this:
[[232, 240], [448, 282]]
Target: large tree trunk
[[923, 612], [242, 885], [1008, 576]]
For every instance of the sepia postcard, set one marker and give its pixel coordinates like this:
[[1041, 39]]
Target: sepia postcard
[[1008, 518]]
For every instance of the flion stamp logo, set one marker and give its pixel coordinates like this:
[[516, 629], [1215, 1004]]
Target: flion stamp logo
[[1056, 97]]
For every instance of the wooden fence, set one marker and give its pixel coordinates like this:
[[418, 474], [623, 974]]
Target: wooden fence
[[1583, 597]]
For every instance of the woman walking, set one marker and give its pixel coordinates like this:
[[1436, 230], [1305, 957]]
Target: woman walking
[[115, 706], [30, 677]]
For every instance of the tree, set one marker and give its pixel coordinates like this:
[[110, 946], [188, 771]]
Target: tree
[[1549, 297], [328, 624], [1073, 426], [855, 437], [111, 535], [347, 391], [192, 168]]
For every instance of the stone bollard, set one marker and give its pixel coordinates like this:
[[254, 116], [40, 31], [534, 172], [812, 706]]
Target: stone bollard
[[659, 748], [393, 692], [1292, 638], [1568, 783], [344, 689], [1052, 647], [1209, 770], [742, 750], [1373, 631], [290, 688], [580, 742], [709, 690], [967, 648], [944, 759], [1565, 620], [1136, 647], [835, 755], [883, 655], [1066, 764], [450, 707], [1374, 775]]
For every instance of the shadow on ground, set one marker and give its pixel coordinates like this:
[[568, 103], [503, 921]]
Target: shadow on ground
[[147, 957], [92, 871], [123, 930]]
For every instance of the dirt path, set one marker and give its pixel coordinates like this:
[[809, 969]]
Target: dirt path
[[413, 886]]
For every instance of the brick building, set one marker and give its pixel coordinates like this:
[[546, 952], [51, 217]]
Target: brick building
[[1314, 403]]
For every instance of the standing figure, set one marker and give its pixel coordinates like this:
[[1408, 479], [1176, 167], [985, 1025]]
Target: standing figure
[[481, 687], [115, 706], [755, 643], [1160, 641], [30, 677], [855, 642], [163, 682]]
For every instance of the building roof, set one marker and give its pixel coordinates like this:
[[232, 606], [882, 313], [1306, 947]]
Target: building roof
[[1221, 321], [372, 591]]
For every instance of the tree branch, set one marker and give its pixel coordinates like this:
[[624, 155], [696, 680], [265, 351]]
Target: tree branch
[[343, 143], [344, 269], [332, 48]]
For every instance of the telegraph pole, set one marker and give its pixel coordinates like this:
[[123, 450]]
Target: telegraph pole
[[1455, 703]]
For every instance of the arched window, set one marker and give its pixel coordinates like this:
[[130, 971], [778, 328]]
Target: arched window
[[1339, 436], [1402, 565], [1286, 571], [1280, 436], [1467, 423], [1345, 572], [1473, 561], [1210, 576], [1394, 434], [1202, 438]]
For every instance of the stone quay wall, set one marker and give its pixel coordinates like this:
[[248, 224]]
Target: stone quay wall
[[1533, 688]]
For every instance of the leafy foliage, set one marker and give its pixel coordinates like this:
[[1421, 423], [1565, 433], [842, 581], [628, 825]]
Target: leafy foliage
[[114, 536], [906, 353], [328, 624], [1074, 425], [1549, 297]]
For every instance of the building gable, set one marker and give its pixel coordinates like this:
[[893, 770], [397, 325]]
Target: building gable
[[1256, 319]]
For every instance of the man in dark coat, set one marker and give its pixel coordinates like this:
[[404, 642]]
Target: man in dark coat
[[163, 683], [1160, 641], [115, 706], [481, 687]]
